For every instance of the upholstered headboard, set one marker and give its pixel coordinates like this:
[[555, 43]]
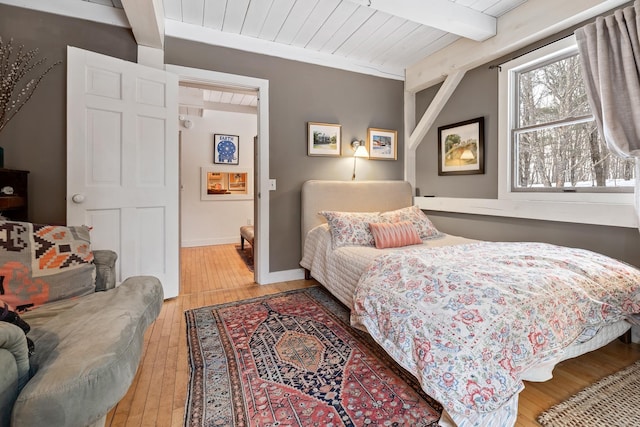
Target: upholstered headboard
[[350, 196]]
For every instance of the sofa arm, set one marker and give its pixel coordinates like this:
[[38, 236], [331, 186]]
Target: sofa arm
[[13, 339], [105, 261]]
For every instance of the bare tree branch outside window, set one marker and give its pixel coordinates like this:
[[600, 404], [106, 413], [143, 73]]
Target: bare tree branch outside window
[[557, 145]]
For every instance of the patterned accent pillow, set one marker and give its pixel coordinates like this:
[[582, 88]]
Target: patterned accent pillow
[[394, 235], [351, 228], [413, 214], [44, 263]]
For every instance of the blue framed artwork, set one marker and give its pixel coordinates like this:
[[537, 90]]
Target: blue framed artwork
[[226, 149]]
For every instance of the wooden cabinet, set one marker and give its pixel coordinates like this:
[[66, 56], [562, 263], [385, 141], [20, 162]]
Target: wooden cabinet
[[14, 206]]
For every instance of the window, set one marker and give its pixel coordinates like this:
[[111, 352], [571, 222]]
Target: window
[[554, 144], [544, 138]]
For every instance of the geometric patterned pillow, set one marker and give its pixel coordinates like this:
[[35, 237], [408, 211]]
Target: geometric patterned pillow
[[44, 263], [351, 228], [414, 215]]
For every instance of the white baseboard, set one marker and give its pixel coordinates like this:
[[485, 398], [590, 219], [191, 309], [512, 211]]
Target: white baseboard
[[210, 242], [283, 276]]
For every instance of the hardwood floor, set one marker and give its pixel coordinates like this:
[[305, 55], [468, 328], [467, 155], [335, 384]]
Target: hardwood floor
[[216, 274]]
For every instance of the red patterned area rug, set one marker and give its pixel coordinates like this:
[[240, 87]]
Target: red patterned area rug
[[291, 359]]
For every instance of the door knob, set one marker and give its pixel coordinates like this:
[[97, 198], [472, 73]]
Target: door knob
[[78, 198]]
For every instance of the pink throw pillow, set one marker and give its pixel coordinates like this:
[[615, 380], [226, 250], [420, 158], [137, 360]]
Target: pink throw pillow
[[394, 235]]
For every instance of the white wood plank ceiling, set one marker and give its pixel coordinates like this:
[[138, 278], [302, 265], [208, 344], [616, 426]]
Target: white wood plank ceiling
[[382, 36], [194, 98], [419, 41], [379, 37]]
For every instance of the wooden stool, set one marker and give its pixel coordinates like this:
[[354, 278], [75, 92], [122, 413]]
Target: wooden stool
[[246, 233]]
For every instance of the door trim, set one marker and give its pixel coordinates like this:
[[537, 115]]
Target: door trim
[[261, 188]]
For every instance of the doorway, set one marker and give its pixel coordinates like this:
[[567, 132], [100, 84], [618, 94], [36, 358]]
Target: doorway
[[196, 77], [217, 127]]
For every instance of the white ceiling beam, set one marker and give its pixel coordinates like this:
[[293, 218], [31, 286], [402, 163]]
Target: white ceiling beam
[[441, 14], [518, 28], [213, 37], [205, 86], [76, 9], [230, 108], [146, 18], [409, 126], [439, 101]]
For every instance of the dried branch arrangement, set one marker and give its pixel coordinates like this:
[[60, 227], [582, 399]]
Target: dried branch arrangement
[[20, 74]]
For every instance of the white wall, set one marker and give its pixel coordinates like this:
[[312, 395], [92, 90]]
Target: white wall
[[208, 222]]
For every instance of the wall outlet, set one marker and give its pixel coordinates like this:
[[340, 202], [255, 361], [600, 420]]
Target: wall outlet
[[249, 221]]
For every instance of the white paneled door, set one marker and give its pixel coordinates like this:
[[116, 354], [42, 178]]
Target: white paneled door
[[122, 162]]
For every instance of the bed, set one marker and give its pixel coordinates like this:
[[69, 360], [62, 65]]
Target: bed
[[438, 307]]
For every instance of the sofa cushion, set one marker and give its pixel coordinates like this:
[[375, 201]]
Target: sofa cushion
[[44, 263], [8, 384], [87, 353], [14, 367]]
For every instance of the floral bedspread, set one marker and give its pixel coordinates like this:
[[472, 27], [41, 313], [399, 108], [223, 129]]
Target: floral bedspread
[[467, 320]]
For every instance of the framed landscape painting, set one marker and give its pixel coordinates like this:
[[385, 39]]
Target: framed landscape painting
[[324, 139], [461, 148], [382, 144]]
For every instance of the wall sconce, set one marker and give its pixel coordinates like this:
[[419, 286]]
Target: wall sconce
[[360, 151]]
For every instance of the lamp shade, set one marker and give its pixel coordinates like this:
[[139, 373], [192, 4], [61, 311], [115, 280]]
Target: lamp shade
[[361, 151]]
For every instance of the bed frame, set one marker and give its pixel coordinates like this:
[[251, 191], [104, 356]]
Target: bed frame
[[350, 196], [372, 196]]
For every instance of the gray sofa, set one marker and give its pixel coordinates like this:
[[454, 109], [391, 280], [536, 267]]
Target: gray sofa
[[87, 351]]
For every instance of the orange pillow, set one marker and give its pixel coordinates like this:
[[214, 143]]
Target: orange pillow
[[394, 235]]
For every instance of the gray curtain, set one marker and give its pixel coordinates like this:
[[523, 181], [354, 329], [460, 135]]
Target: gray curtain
[[610, 55]]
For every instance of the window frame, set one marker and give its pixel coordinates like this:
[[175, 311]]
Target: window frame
[[507, 117]]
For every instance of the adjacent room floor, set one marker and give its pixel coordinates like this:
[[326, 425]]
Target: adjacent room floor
[[216, 274]]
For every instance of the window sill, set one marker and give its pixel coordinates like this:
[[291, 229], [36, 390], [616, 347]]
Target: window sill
[[615, 215]]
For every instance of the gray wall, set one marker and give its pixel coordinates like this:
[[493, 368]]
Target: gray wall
[[299, 93], [477, 95], [35, 140]]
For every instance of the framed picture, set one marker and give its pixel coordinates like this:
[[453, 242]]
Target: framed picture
[[226, 183], [226, 149], [461, 148], [324, 139], [238, 182], [382, 144]]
